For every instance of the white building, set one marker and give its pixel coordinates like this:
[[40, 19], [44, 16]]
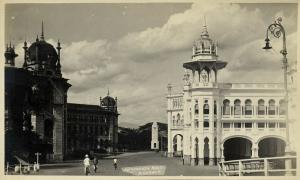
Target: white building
[[154, 136], [210, 121]]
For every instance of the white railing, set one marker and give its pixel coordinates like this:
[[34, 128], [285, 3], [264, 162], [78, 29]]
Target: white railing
[[257, 86], [258, 166]]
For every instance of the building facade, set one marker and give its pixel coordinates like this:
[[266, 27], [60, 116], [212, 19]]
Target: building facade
[[211, 121], [92, 127], [36, 96], [37, 115]]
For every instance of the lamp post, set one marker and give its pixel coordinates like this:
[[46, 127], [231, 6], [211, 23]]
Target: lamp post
[[276, 29]]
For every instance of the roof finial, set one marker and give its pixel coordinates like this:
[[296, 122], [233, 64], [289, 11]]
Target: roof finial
[[107, 91], [10, 44], [42, 35], [204, 32]]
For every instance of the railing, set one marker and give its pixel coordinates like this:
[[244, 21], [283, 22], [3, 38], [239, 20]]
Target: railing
[[258, 166]]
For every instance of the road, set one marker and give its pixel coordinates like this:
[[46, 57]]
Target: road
[[140, 163]]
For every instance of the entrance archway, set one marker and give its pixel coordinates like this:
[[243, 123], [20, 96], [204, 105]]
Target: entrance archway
[[271, 147], [206, 151], [237, 148], [177, 145], [196, 151]]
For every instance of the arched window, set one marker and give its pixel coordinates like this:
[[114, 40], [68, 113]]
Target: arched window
[[205, 107], [196, 108], [282, 107], [178, 119], [215, 108], [248, 107], [196, 123], [226, 107], [271, 110], [237, 107], [261, 107]]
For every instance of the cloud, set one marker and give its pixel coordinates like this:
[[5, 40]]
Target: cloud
[[138, 66]]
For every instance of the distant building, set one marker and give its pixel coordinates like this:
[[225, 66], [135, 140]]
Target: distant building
[[154, 137], [210, 121], [92, 127]]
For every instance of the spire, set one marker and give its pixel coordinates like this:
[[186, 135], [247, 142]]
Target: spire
[[204, 32], [42, 35], [107, 91], [58, 59], [37, 38]]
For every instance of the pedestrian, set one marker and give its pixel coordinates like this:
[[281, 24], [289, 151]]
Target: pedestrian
[[115, 163], [86, 165], [34, 167], [95, 162]]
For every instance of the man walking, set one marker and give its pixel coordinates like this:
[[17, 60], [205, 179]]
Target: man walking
[[95, 162], [86, 164]]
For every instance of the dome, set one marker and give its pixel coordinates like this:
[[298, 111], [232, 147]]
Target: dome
[[108, 101], [41, 51], [204, 45]]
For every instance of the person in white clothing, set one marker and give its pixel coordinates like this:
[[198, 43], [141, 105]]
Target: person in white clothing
[[86, 165], [115, 163]]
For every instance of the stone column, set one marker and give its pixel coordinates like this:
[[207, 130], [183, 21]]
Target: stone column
[[193, 151], [170, 140], [254, 150], [186, 147], [222, 153], [58, 129]]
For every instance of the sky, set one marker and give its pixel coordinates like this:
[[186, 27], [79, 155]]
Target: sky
[[135, 50]]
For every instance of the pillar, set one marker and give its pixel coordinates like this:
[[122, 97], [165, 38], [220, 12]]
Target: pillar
[[170, 140], [222, 153], [193, 152], [179, 143], [254, 150], [58, 133]]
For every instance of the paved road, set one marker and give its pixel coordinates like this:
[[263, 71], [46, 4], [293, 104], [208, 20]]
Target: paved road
[[141, 163]]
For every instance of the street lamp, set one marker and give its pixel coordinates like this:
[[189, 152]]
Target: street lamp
[[276, 29]]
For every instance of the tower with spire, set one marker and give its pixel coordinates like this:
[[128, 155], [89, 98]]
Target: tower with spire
[[204, 63], [211, 121], [44, 95]]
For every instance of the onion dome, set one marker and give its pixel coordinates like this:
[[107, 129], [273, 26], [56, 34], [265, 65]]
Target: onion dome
[[43, 53], [204, 45], [108, 101], [42, 57]]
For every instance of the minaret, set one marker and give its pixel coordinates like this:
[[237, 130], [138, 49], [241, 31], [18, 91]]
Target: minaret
[[25, 54], [10, 55], [58, 60]]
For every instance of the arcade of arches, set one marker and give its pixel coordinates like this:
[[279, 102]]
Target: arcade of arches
[[242, 148]]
